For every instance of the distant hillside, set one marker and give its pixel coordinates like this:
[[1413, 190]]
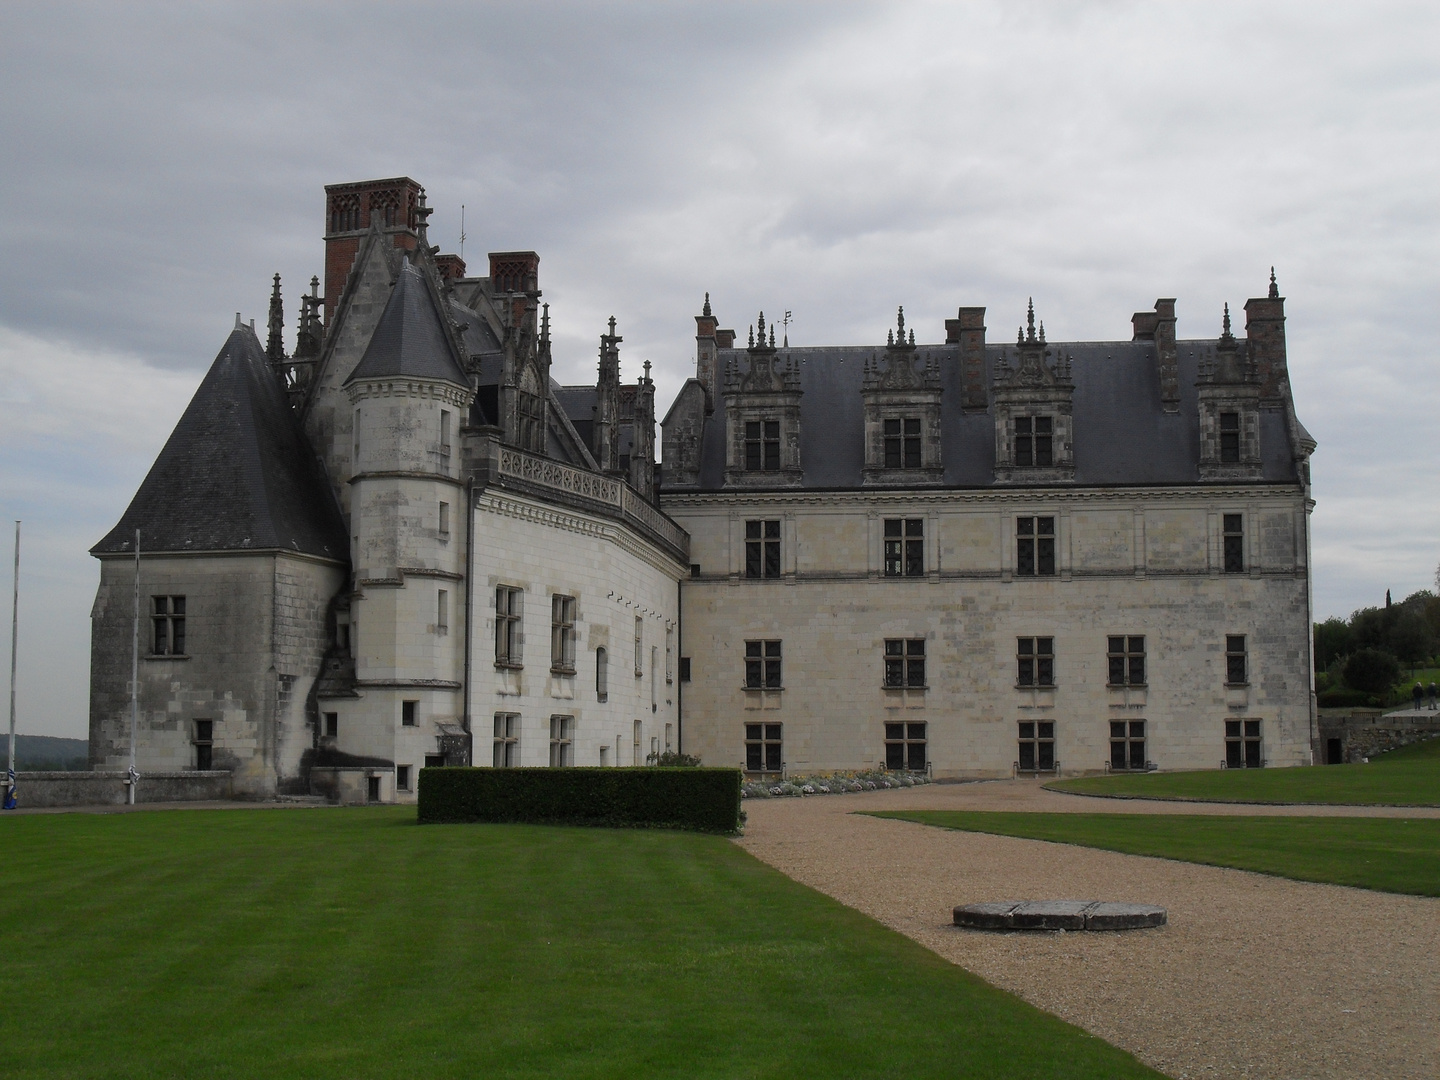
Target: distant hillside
[[45, 753]]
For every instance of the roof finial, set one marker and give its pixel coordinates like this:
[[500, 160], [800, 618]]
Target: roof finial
[[752, 333], [1042, 331], [912, 335], [647, 372], [706, 309], [889, 338], [1225, 325], [1019, 335], [772, 335], [545, 323], [760, 325], [612, 324], [1274, 288], [900, 324], [275, 344], [1030, 321]]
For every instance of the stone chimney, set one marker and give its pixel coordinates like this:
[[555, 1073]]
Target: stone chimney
[[1265, 341], [350, 210], [706, 326], [967, 330], [1159, 326]]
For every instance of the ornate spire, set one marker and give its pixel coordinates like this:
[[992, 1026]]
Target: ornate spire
[[1226, 337], [646, 380], [900, 325], [889, 338], [912, 337], [545, 324], [423, 212], [706, 309], [1042, 331], [752, 335], [760, 325], [1274, 288], [1030, 321], [772, 335], [275, 346]]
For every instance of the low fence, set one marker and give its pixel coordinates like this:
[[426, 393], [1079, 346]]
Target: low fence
[[108, 788]]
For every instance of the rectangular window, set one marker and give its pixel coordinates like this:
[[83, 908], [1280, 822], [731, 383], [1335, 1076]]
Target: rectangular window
[[562, 741], [684, 669], [602, 674], [1229, 438], [669, 654], [332, 725], [402, 777], [444, 529], [904, 547], [168, 620], [445, 432], [762, 549], [507, 740], [1234, 544], [1235, 673], [1127, 745], [1036, 658], [902, 443], [763, 748], [762, 445], [1127, 661], [562, 635], [1035, 546], [635, 744], [905, 746], [639, 646], [762, 665], [1037, 746], [905, 662], [509, 615], [1242, 744], [408, 710], [1034, 441], [442, 611], [204, 744]]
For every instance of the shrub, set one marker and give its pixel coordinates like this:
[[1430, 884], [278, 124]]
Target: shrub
[[1340, 697], [1372, 671], [700, 800], [673, 759]]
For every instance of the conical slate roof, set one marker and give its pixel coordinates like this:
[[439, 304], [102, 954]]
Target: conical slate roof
[[410, 339], [237, 473]]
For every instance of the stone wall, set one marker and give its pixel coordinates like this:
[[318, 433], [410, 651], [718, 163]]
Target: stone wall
[[108, 788], [1367, 732], [1131, 563]]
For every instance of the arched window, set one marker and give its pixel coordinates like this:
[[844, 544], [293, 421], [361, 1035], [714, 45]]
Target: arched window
[[602, 674]]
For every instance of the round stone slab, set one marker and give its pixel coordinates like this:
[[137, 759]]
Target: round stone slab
[[1058, 915]]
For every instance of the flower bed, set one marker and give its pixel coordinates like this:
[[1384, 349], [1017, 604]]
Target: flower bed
[[837, 783]]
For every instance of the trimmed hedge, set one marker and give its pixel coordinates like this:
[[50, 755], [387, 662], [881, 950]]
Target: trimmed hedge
[[700, 800]]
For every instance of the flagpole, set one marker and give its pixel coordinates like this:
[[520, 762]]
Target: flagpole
[[135, 674], [14, 628]]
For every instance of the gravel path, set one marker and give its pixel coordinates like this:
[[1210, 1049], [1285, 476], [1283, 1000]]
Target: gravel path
[[1254, 976]]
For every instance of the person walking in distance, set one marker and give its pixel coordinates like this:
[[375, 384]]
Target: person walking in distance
[[1419, 695], [1432, 697]]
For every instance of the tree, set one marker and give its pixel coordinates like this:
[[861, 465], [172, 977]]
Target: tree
[[1332, 641], [1371, 671], [1410, 639]]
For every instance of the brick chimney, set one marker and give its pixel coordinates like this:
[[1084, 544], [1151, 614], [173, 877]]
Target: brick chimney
[[515, 276], [349, 210], [706, 327], [968, 331], [450, 267], [1265, 340]]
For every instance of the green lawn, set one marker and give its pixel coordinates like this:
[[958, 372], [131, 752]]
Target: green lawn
[[1406, 777], [354, 943], [1389, 854]]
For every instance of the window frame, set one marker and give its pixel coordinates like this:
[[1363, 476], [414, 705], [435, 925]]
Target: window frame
[[903, 741], [562, 741], [904, 663], [203, 739], [763, 664], [1237, 660], [1132, 734], [1034, 445], [761, 445], [1129, 656], [903, 541], [1035, 537], [639, 646], [402, 777], [1035, 744], [602, 674], [410, 713], [1035, 663], [1244, 743], [505, 747], [563, 609], [168, 635], [1233, 543], [762, 548], [509, 626], [764, 747], [902, 442], [1228, 430]]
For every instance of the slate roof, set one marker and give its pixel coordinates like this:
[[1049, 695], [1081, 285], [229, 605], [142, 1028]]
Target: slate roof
[[1123, 436], [237, 473], [410, 338]]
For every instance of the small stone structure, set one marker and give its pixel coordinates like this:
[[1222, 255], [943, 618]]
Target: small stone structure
[[1365, 733], [1058, 915], [106, 787]]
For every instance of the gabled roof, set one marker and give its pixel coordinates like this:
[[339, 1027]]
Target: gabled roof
[[237, 473], [410, 339]]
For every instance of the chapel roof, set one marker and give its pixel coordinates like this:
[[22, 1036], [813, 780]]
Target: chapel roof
[[236, 474]]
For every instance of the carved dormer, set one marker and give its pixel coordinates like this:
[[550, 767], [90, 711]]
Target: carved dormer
[[902, 414], [525, 380], [1229, 389], [762, 416], [1034, 412]]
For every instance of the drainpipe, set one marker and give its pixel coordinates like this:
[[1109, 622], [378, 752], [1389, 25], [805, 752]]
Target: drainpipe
[[469, 593], [679, 682]]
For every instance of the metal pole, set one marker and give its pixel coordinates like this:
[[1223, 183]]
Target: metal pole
[[134, 776], [14, 628]]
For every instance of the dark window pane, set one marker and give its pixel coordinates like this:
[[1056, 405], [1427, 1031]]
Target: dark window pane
[[1229, 447], [752, 560], [915, 646], [772, 530], [914, 558], [1137, 671], [772, 559], [1022, 425], [1027, 729], [1046, 559], [1235, 669], [202, 757], [893, 526], [772, 675], [892, 427], [1027, 755], [1235, 643], [772, 732], [1137, 729], [162, 605], [1117, 670], [1025, 526], [1137, 755], [772, 456], [912, 453], [1046, 754], [1023, 455], [1252, 729], [752, 673], [752, 430], [894, 731], [917, 756], [1045, 675], [772, 429], [894, 672], [1043, 455], [752, 456], [177, 634], [912, 427], [1117, 644], [1045, 526], [916, 731], [177, 605], [752, 529], [162, 637], [892, 453], [1234, 555], [772, 648], [1117, 755], [914, 526], [752, 731], [895, 755], [1047, 729], [752, 648], [753, 757], [1026, 676], [894, 646], [1137, 644], [1025, 556], [1025, 646], [1232, 755], [1117, 729], [1232, 729], [1252, 754], [917, 672], [772, 757]]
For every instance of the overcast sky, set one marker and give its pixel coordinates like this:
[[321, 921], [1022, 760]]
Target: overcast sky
[[162, 161]]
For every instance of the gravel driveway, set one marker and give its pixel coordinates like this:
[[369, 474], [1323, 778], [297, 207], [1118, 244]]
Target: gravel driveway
[[1253, 977]]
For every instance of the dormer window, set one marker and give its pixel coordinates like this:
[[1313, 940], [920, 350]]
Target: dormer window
[[902, 443], [1229, 438], [762, 445], [1034, 441]]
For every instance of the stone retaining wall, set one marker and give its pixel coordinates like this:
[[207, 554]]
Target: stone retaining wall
[[107, 787], [1367, 732]]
